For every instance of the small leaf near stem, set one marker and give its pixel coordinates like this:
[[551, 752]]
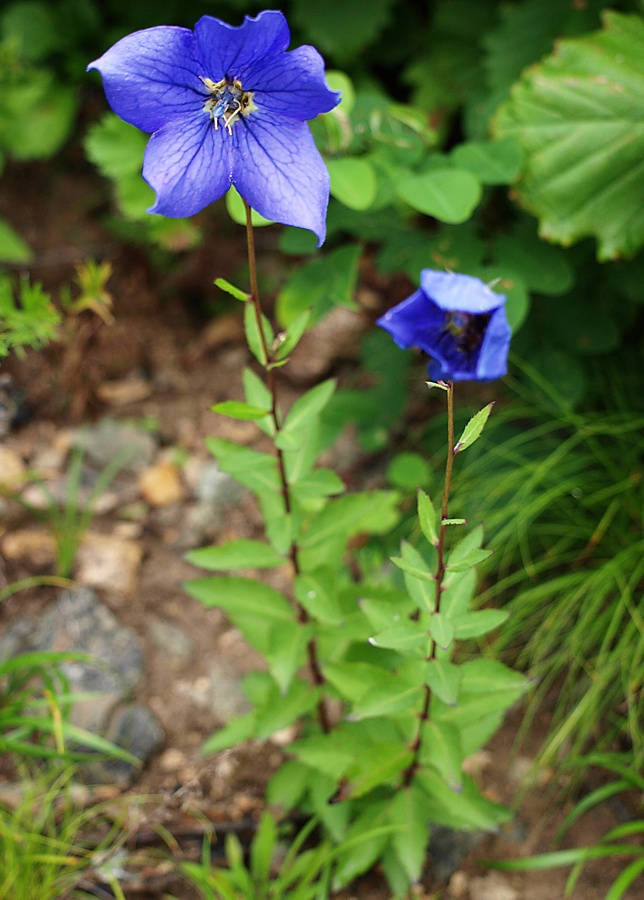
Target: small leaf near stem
[[269, 368], [474, 428], [440, 574]]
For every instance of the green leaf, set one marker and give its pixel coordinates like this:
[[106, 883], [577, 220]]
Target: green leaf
[[492, 162], [256, 471], [421, 589], [262, 849], [484, 676], [427, 518], [282, 710], [229, 288], [320, 284], [319, 483], [290, 339], [318, 595], [303, 410], [286, 651], [378, 764], [236, 409], [441, 630], [463, 549], [449, 195], [401, 637], [478, 623], [465, 810], [473, 429], [373, 512], [257, 394], [13, 249], [443, 678], [416, 567], [408, 811], [286, 787], [408, 471], [341, 30], [237, 211], [251, 606], [385, 699], [353, 182], [578, 117], [441, 748], [239, 554], [253, 336], [353, 680], [236, 732], [544, 268]]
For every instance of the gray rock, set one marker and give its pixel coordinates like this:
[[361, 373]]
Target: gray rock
[[448, 848], [217, 488], [175, 644], [135, 729], [110, 438]]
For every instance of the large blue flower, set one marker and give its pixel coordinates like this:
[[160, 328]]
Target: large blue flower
[[225, 106], [459, 322]]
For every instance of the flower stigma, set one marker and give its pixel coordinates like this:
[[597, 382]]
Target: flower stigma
[[227, 101], [467, 329]]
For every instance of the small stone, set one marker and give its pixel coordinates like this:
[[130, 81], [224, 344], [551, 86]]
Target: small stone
[[30, 545], [175, 644], [172, 760], [122, 391], [109, 563], [220, 692], [217, 488], [492, 886], [12, 469], [110, 439], [458, 887], [160, 485], [135, 729]]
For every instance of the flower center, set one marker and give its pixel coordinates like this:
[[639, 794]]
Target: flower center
[[467, 329], [227, 101]]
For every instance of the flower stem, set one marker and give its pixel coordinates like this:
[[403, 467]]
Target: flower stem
[[440, 575], [269, 371]]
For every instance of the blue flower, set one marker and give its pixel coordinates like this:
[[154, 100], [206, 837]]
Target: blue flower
[[459, 322], [225, 106]]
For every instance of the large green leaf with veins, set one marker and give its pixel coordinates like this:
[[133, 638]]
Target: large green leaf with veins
[[579, 116]]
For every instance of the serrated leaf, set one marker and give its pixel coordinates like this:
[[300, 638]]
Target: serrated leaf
[[236, 409], [427, 518], [473, 429], [478, 623], [578, 117], [229, 288], [415, 569], [442, 630], [470, 561], [449, 195], [443, 678], [239, 554]]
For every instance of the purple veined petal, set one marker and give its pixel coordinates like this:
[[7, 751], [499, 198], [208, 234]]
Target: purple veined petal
[[462, 293], [279, 172], [291, 84], [493, 358], [152, 76], [225, 49], [413, 322], [188, 164]]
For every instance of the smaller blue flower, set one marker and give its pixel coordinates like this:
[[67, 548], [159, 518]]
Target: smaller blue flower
[[225, 106], [459, 322]]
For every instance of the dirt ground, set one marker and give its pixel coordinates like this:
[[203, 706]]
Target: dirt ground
[[162, 342]]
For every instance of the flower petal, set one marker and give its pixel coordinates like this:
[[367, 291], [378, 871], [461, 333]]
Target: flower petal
[[188, 164], [152, 76], [291, 84], [226, 51], [414, 322], [493, 358], [279, 172], [462, 293]]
